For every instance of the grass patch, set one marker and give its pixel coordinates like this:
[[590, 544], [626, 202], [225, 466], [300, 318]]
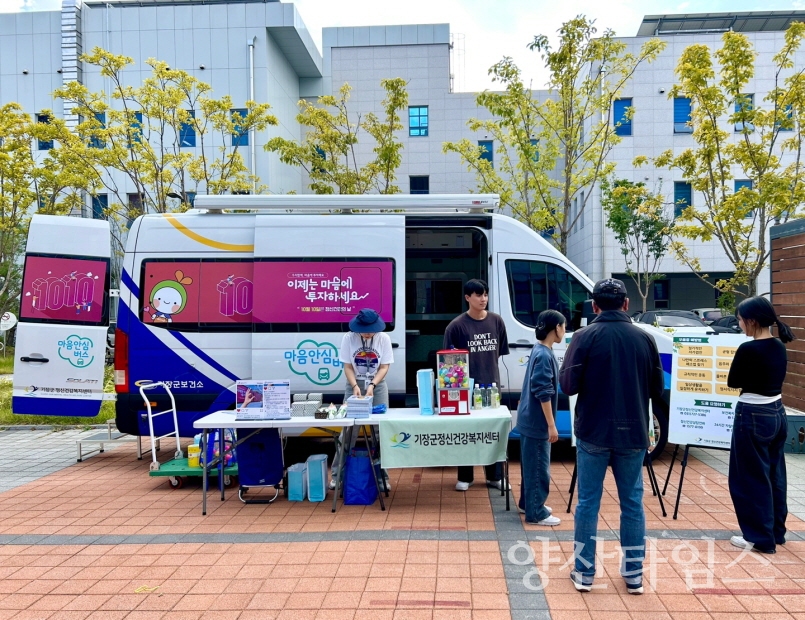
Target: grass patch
[[9, 419], [7, 362]]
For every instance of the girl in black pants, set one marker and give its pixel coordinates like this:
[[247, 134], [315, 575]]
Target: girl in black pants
[[757, 477]]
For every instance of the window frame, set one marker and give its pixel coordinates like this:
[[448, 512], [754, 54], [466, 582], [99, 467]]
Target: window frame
[[740, 126], [188, 131], [94, 142], [44, 145], [488, 153], [413, 191], [623, 126], [416, 112], [680, 126], [242, 137], [678, 207]]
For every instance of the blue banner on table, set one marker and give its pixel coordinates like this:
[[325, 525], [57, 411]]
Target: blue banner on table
[[443, 441]]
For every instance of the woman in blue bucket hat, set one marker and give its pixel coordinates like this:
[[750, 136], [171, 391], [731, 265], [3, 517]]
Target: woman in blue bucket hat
[[366, 354]]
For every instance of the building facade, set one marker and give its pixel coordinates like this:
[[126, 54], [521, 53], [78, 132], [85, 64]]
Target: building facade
[[263, 48]]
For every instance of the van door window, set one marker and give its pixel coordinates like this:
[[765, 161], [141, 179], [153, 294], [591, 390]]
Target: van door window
[[64, 290], [322, 294], [535, 286], [203, 295]]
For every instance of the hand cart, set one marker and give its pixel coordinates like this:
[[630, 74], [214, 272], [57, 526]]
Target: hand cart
[[177, 469]]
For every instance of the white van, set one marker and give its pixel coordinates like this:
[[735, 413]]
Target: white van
[[209, 297]]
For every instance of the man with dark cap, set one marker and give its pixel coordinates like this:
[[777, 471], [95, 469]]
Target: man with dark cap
[[614, 368]]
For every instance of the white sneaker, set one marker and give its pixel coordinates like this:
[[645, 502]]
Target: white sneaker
[[548, 508], [463, 486], [388, 485], [498, 484], [332, 484], [549, 520], [740, 542]]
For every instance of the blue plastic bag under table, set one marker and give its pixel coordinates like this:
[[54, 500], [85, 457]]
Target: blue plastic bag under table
[[360, 487]]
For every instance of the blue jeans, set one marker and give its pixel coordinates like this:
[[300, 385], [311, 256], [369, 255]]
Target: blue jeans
[[535, 466], [627, 467], [757, 477]]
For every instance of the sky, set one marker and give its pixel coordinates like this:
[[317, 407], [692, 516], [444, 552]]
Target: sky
[[489, 29]]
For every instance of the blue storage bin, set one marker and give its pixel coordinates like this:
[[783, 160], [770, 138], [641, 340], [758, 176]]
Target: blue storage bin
[[317, 477], [297, 482]]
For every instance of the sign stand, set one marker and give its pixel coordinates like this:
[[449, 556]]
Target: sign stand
[[652, 478], [684, 463]]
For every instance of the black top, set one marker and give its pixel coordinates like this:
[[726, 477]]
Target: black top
[[485, 340], [759, 367], [615, 369]]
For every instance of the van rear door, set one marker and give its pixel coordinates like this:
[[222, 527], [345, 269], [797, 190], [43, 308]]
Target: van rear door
[[64, 314], [312, 274]]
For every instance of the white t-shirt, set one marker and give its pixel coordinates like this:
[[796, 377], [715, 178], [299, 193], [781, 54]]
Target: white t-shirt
[[366, 354]]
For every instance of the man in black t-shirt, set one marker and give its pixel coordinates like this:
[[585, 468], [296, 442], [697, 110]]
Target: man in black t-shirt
[[483, 334]]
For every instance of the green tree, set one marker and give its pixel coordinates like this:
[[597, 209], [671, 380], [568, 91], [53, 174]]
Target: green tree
[[52, 185], [759, 142], [550, 153], [138, 143], [642, 228], [328, 151]]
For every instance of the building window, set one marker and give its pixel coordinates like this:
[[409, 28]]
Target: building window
[[581, 211], [661, 294], [136, 129], [683, 197], [418, 120], [487, 151], [187, 132], [419, 185], [744, 103], [682, 108], [95, 142], [239, 137], [787, 124], [191, 198], [135, 209], [623, 122], [44, 145], [100, 204], [739, 185]]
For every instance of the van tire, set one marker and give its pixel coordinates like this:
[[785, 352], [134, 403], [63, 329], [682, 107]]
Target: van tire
[[660, 416]]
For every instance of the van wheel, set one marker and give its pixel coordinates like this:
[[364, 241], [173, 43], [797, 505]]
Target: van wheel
[[660, 420]]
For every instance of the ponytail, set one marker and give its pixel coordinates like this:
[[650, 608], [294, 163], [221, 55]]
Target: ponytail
[[760, 310], [784, 331]]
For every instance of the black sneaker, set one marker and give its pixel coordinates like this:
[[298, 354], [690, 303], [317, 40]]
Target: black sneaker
[[578, 582]]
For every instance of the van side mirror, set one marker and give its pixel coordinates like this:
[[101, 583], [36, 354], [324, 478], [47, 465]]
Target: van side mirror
[[587, 312]]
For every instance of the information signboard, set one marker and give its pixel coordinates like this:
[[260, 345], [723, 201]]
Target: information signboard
[[702, 404]]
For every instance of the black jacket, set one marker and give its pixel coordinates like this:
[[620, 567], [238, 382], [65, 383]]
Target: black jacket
[[615, 368]]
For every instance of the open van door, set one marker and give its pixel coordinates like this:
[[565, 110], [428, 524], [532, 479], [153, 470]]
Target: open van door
[[64, 313]]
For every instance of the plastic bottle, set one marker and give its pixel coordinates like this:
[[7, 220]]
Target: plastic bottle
[[495, 396], [477, 398], [486, 392], [651, 438]]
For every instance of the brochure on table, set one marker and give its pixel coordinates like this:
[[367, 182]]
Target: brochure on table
[[702, 405], [263, 400]]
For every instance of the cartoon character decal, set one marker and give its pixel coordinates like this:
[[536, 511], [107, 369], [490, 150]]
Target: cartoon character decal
[[169, 297]]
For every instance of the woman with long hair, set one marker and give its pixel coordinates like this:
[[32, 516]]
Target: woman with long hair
[[536, 417], [757, 478]]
